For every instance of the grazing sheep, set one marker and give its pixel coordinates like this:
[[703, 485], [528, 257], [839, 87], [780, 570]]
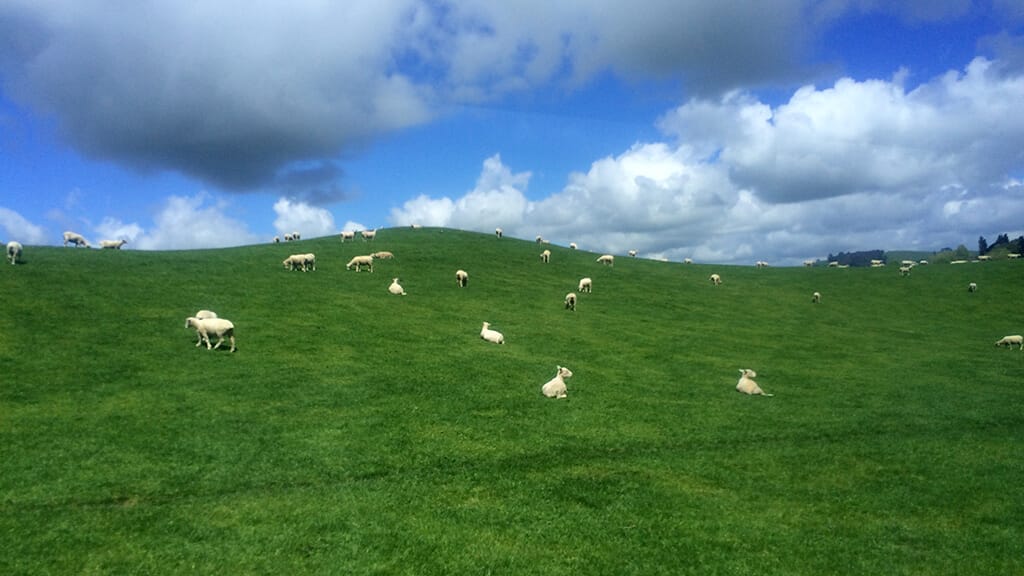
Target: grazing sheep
[[300, 260], [14, 249], [972, 287], [586, 285], [288, 238], [540, 239], [112, 244], [219, 327], [491, 335], [461, 278], [747, 385], [75, 238], [606, 259], [816, 298], [687, 260], [277, 239], [369, 234], [499, 232], [904, 270], [570, 301], [715, 279], [555, 388], [572, 245], [1010, 341], [348, 235], [383, 255], [396, 288], [545, 256], [360, 261], [632, 253]]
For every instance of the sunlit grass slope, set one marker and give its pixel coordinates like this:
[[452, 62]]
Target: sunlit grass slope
[[356, 432]]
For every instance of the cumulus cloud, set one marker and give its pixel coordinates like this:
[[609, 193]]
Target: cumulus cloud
[[308, 221], [17, 227]]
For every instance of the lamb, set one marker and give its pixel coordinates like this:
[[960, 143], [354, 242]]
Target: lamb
[[1010, 341], [747, 385], [715, 279], [606, 259], [396, 288], [14, 249], [555, 388], [491, 335], [586, 285], [219, 327], [75, 238], [461, 278], [360, 261], [499, 232], [113, 244], [545, 256], [816, 298], [570, 301], [369, 234], [972, 287], [347, 235], [383, 255]]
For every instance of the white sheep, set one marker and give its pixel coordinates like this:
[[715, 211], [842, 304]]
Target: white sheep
[[112, 244], [570, 301], [14, 249], [632, 253], [715, 279], [586, 285], [904, 270], [288, 238], [816, 298], [687, 260], [360, 261], [761, 264], [1010, 341], [606, 259], [369, 234], [383, 255], [396, 288], [219, 327], [75, 238], [808, 263], [499, 232], [461, 278], [348, 235], [572, 245], [555, 388], [491, 335], [295, 236], [540, 239], [545, 256], [303, 261], [203, 315], [972, 287], [747, 385], [277, 239]]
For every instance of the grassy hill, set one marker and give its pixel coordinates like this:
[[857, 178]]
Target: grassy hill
[[356, 432]]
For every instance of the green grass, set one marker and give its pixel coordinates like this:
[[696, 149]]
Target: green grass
[[356, 432]]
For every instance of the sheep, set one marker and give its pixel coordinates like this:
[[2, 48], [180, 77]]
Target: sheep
[[816, 298], [586, 285], [277, 239], [747, 385], [632, 253], [715, 279], [461, 278], [383, 255], [687, 260], [347, 235], [570, 301], [300, 260], [499, 232], [369, 234], [540, 239], [761, 264], [219, 327], [606, 259], [809, 263], [491, 335], [904, 270], [112, 244], [984, 258], [295, 236], [359, 261], [972, 287], [396, 288], [555, 388], [310, 260], [203, 315], [287, 237], [75, 238], [1009, 341], [833, 264], [572, 245], [14, 249], [545, 256]]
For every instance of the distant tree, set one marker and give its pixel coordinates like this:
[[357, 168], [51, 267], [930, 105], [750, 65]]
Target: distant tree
[[961, 253], [982, 245]]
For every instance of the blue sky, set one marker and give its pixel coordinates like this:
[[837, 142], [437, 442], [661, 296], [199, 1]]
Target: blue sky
[[723, 131]]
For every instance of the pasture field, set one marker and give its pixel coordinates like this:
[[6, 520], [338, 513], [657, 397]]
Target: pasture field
[[356, 432]]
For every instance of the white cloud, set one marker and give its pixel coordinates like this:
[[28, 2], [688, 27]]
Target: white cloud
[[308, 221], [18, 228]]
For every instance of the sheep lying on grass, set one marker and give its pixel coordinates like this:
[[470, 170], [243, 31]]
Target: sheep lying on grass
[[747, 385], [75, 238], [383, 255], [491, 335], [715, 279], [606, 259], [586, 285], [570, 301], [1011, 341], [112, 244], [360, 261], [219, 327], [396, 288], [14, 249], [461, 278], [555, 388]]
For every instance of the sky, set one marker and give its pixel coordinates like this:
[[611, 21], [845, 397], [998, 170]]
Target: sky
[[724, 131]]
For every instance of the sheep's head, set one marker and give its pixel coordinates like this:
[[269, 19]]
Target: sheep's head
[[747, 373], [564, 372]]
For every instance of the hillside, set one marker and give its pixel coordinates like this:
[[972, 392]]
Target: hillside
[[358, 432]]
